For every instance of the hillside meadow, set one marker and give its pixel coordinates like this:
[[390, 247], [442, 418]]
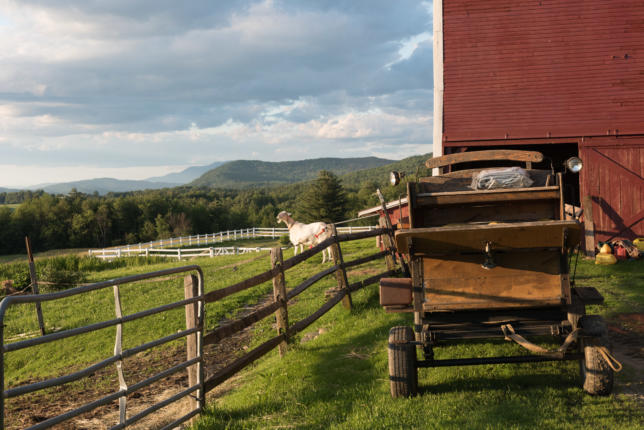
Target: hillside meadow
[[73, 354], [335, 373]]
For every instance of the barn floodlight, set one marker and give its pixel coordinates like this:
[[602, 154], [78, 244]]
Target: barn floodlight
[[574, 164], [395, 177]]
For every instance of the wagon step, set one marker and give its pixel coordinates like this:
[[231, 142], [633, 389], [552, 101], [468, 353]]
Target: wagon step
[[588, 295]]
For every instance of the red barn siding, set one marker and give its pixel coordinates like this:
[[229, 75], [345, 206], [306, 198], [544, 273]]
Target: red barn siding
[[613, 176], [538, 69]]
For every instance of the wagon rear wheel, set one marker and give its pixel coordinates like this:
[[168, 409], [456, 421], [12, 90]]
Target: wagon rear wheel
[[403, 373], [596, 374]]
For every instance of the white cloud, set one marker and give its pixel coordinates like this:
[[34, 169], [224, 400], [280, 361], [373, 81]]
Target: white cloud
[[409, 45], [159, 82]]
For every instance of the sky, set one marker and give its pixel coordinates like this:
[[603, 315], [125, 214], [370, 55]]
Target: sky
[[133, 89]]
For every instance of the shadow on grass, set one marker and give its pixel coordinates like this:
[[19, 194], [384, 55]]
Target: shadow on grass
[[341, 381], [346, 367], [215, 418], [515, 382]]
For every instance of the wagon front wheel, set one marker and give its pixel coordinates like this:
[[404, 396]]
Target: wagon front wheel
[[596, 374], [403, 373]]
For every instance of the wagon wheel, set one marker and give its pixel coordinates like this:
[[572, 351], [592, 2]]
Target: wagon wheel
[[403, 373], [596, 374]]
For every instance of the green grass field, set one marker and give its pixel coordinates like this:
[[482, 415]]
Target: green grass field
[[50, 359], [11, 258], [339, 378]]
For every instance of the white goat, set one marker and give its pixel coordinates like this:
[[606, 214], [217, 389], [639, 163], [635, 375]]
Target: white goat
[[301, 234]]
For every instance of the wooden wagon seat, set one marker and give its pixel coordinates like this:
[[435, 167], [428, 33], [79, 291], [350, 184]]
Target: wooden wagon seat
[[528, 157]]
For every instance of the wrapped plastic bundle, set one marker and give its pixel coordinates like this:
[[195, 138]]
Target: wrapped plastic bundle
[[509, 177]]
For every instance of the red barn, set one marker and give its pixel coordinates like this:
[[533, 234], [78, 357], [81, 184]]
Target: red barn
[[564, 77]]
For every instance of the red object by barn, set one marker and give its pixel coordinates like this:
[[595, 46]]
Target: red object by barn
[[563, 77]]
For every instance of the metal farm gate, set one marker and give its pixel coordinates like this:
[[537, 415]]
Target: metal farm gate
[[193, 302]]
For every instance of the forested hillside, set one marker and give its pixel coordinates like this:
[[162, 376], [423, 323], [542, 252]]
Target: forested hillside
[[254, 173], [91, 220], [380, 175]]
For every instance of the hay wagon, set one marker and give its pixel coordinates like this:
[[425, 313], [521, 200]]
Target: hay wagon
[[487, 264]]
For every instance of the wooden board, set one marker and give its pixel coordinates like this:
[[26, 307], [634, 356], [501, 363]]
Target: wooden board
[[518, 280], [461, 180], [395, 291], [520, 211], [491, 155], [472, 238], [515, 194]]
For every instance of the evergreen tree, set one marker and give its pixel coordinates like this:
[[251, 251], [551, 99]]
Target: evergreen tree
[[325, 200]]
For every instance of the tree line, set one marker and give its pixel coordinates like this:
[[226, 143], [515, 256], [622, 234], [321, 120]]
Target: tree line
[[78, 220]]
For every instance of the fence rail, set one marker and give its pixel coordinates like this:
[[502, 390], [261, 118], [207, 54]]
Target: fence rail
[[195, 303], [205, 239], [282, 297]]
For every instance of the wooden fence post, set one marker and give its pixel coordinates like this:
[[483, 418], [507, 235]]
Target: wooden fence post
[[191, 289], [341, 273], [279, 294], [386, 241], [34, 284]]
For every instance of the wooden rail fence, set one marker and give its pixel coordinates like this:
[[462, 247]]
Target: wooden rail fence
[[279, 305], [196, 337]]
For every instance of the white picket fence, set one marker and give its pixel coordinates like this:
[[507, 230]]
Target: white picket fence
[[178, 253], [172, 247]]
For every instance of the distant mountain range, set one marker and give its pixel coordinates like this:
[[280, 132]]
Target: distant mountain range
[[254, 173], [106, 185], [102, 186], [244, 174]]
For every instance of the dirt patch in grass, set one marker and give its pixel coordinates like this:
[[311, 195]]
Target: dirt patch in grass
[[31, 409], [365, 272]]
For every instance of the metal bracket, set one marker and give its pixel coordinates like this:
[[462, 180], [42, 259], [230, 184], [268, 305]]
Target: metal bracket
[[489, 257]]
